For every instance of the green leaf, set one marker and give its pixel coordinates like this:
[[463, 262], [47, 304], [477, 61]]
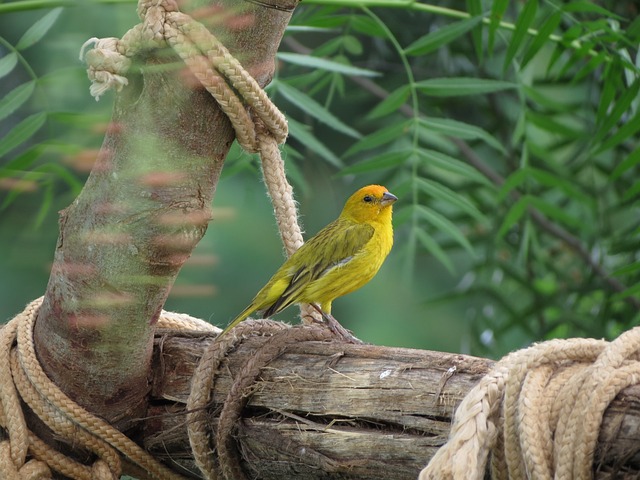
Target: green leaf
[[461, 130], [445, 194], [554, 211], [460, 86], [631, 161], [445, 225], [498, 8], [434, 40], [625, 100], [8, 63], [367, 25], [22, 132], [431, 246], [62, 173], [627, 269], [433, 158], [583, 6], [324, 64], [545, 178], [39, 29], [548, 27], [394, 100], [22, 161], [45, 205], [301, 133], [553, 126], [514, 215], [474, 7], [379, 162], [308, 105], [15, 98], [628, 129], [381, 137], [524, 21], [632, 193]]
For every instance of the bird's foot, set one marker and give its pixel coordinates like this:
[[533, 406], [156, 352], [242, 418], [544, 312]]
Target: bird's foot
[[335, 327]]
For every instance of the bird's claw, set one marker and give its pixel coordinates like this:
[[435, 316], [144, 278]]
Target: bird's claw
[[338, 330]]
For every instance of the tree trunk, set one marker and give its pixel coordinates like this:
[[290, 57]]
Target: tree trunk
[[335, 410], [143, 209]]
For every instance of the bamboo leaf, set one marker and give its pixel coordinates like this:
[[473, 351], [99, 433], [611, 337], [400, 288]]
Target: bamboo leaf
[[547, 28], [379, 162], [474, 7], [301, 133], [619, 108], [367, 25], [22, 132], [627, 130], [628, 163], [498, 8], [445, 194], [325, 64], [381, 137], [460, 86], [433, 158], [462, 130], [39, 29], [8, 63], [514, 215], [434, 40], [308, 105], [521, 31], [554, 211], [582, 6], [431, 246], [15, 98], [394, 100], [445, 225]]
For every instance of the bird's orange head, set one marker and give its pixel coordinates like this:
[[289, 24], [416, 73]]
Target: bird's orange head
[[370, 204]]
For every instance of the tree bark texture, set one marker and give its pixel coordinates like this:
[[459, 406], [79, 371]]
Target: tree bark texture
[[144, 208], [336, 410]]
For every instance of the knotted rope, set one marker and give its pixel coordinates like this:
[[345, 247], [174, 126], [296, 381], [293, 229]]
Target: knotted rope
[[222, 76], [538, 412], [22, 379]]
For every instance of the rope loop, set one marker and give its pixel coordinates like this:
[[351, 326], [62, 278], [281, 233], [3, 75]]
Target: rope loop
[[538, 412], [218, 71]]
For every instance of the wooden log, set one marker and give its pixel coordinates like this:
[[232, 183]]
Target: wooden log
[[335, 410]]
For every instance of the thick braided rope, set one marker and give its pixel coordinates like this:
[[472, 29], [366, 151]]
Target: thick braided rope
[[539, 411], [202, 382], [22, 379]]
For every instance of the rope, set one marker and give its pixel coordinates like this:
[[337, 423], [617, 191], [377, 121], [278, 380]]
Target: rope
[[539, 411], [23, 456]]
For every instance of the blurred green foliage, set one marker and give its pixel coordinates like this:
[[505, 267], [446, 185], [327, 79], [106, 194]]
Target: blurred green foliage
[[509, 130]]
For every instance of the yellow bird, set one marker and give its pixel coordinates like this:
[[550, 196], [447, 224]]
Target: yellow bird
[[339, 259]]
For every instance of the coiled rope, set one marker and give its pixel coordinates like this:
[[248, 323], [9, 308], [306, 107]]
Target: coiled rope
[[538, 413]]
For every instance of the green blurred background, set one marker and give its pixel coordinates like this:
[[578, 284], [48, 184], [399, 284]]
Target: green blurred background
[[477, 275]]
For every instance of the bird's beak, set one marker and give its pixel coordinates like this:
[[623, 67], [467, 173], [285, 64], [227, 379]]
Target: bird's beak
[[388, 199]]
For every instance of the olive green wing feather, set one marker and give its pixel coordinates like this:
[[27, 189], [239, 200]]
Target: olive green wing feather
[[332, 247]]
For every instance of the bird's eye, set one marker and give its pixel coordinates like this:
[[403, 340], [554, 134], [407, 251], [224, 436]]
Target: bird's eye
[[368, 198]]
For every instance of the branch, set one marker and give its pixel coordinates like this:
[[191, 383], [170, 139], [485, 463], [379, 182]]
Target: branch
[[353, 411]]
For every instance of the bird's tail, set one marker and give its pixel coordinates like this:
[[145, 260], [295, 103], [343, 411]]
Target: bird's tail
[[243, 316]]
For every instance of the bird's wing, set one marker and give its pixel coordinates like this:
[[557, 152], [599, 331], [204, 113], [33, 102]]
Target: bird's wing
[[333, 246]]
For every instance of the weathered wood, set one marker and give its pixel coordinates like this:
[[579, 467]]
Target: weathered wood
[[332, 410]]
